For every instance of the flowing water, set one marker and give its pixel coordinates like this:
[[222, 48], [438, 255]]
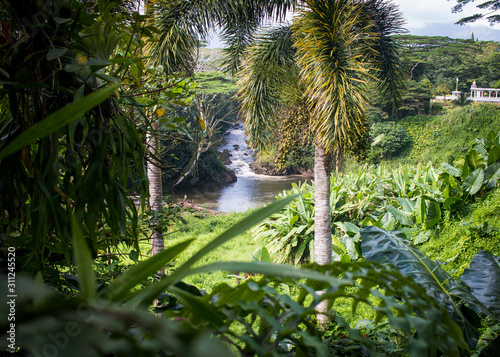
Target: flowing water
[[249, 191]]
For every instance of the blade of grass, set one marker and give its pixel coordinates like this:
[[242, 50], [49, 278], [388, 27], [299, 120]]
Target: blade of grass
[[121, 287], [201, 310], [83, 262]]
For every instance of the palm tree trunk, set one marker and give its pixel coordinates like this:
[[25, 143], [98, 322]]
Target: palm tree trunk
[[155, 187], [322, 221]]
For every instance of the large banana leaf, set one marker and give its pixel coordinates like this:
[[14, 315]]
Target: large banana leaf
[[492, 175], [474, 181], [401, 216], [483, 278], [493, 154], [452, 170], [475, 160], [393, 247]]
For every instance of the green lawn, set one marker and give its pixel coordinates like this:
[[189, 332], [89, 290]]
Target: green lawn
[[204, 228]]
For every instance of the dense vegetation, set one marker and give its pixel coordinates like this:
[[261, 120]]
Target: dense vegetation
[[434, 64], [79, 113], [441, 60]]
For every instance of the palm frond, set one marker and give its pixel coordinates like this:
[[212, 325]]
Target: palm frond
[[183, 23], [389, 67], [237, 39], [330, 46], [180, 25], [268, 61], [240, 22]]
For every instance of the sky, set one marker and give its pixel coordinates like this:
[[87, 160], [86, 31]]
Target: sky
[[429, 17], [434, 18], [418, 13]]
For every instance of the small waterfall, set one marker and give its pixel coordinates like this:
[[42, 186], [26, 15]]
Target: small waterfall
[[241, 154], [250, 190]]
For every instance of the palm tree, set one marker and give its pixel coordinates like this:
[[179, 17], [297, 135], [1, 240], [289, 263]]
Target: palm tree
[[323, 62]]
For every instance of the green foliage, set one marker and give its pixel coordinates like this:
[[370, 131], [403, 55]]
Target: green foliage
[[441, 60], [415, 199], [416, 100], [289, 235], [479, 168], [389, 139], [58, 120], [274, 324], [443, 89], [390, 247], [75, 146], [483, 278], [115, 319], [444, 138], [465, 230], [76, 100]]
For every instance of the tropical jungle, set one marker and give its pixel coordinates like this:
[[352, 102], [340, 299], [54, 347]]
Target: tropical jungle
[[106, 107]]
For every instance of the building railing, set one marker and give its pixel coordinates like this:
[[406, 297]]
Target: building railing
[[485, 99]]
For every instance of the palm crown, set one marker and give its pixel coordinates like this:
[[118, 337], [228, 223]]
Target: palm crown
[[334, 49]]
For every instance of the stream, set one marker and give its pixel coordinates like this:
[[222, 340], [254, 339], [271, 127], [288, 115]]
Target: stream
[[249, 191]]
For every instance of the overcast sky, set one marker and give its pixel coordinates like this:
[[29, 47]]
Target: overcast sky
[[418, 13], [434, 18]]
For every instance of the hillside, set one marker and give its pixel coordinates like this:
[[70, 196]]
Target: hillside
[[420, 131], [433, 138]]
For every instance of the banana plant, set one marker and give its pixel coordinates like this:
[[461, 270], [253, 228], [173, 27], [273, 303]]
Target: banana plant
[[411, 199], [288, 235], [479, 169]]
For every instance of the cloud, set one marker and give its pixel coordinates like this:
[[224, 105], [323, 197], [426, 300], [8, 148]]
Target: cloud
[[434, 18], [420, 13]]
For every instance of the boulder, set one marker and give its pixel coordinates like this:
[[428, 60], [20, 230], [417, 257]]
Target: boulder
[[225, 157]]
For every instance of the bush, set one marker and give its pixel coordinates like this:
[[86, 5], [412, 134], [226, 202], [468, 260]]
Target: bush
[[389, 140]]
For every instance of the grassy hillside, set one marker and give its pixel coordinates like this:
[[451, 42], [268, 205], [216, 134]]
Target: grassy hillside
[[211, 83], [433, 138], [442, 138]]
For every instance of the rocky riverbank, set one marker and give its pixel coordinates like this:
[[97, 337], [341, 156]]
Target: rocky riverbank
[[265, 168]]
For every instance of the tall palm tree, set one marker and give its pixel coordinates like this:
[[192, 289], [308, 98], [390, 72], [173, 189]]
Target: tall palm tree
[[327, 58]]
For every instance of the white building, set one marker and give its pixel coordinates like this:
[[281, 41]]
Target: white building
[[483, 95], [486, 95]]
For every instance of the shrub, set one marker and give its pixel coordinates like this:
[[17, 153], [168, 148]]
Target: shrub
[[389, 140]]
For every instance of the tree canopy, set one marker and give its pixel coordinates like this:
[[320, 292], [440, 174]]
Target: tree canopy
[[488, 10]]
